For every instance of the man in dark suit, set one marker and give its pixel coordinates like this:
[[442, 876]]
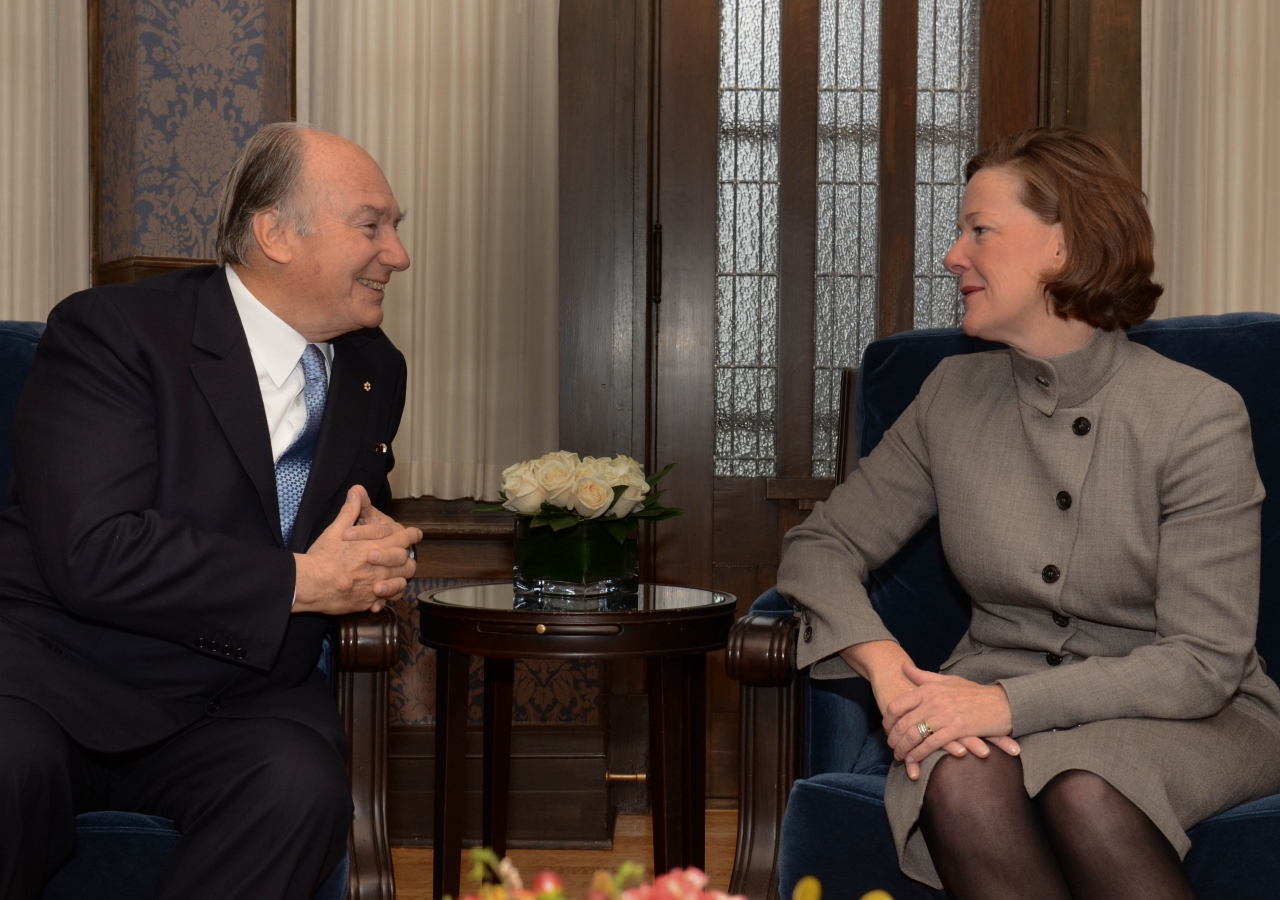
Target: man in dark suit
[[198, 462]]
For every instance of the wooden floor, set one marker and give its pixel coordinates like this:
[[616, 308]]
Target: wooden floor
[[632, 839]]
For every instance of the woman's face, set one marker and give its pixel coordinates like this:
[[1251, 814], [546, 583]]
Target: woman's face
[[1002, 256]]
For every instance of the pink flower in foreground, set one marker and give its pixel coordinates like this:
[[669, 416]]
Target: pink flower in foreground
[[680, 884]]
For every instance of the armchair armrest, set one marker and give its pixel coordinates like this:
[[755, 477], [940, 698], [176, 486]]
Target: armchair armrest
[[367, 644], [761, 655]]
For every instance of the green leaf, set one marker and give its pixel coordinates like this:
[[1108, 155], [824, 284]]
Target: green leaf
[[628, 875], [560, 523], [490, 508], [539, 522], [667, 513], [658, 476], [484, 862], [618, 529]]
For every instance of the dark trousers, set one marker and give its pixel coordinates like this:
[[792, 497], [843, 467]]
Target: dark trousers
[[263, 805]]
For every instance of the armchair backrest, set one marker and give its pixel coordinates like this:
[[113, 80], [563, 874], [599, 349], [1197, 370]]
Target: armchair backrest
[[915, 593], [17, 349]]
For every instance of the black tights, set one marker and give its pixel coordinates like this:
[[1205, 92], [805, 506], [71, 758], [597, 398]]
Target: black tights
[[1080, 838]]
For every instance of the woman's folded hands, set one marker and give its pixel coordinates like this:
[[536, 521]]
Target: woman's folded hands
[[958, 715]]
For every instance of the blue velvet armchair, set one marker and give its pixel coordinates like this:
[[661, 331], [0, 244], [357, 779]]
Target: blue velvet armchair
[[122, 856], [814, 758]]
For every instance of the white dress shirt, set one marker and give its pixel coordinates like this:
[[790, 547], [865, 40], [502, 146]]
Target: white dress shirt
[[277, 357]]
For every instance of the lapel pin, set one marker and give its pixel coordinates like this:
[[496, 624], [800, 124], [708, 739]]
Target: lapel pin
[[368, 386], [380, 447]]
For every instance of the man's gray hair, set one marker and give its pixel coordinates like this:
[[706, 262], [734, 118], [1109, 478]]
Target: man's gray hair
[[265, 177]]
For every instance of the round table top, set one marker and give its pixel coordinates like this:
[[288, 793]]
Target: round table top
[[648, 599]]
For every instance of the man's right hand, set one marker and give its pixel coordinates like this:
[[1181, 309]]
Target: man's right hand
[[337, 576]]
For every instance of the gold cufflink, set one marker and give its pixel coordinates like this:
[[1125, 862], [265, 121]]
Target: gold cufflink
[[368, 386], [380, 447]]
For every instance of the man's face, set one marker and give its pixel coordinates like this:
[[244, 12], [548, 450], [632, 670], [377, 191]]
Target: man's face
[[339, 271]]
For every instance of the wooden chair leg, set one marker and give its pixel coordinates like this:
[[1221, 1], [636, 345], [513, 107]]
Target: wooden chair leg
[[367, 645]]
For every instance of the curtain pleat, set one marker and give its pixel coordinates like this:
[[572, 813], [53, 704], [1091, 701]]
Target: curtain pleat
[[457, 101], [44, 155], [1211, 141]]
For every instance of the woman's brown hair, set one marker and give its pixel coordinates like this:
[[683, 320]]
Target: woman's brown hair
[[1072, 177]]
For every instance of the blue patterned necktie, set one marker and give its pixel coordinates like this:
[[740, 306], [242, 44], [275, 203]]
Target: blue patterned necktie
[[294, 464]]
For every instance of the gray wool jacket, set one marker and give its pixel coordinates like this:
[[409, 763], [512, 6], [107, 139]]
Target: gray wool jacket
[[1154, 562]]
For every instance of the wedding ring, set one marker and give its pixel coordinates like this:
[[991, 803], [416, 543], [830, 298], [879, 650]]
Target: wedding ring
[[924, 729]]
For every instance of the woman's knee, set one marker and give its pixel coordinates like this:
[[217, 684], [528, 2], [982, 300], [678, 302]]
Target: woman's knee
[[969, 787], [1076, 794]]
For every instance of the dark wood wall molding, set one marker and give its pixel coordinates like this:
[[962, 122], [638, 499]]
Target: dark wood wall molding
[[133, 268], [899, 24], [559, 793], [686, 80], [456, 542], [797, 234], [1091, 71], [1009, 78], [604, 224]]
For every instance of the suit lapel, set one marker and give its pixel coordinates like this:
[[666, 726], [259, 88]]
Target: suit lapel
[[230, 386], [341, 431]]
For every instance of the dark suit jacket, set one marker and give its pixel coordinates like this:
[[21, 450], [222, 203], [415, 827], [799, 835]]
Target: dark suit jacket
[[144, 582]]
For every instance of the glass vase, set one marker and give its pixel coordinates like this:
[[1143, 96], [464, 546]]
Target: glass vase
[[582, 561]]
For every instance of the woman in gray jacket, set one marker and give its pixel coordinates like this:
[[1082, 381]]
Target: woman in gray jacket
[[1100, 505]]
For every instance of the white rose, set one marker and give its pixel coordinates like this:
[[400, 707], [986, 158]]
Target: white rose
[[524, 494], [556, 473], [628, 465], [620, 469], [592, 494], [633, 496]]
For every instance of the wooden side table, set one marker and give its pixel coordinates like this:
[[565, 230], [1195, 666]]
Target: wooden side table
[[672, 627]]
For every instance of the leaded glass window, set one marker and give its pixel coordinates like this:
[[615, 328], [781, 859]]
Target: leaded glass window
[[746, 376], [848, 207], [946, 137]]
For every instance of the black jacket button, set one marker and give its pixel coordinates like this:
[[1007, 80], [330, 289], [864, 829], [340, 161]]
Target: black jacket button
[[1064, 500], [1050, 574], [1081, 426], [808, 633], [1052, 659], [239, 653], [201, 643], [1060, 620], [213, 706]]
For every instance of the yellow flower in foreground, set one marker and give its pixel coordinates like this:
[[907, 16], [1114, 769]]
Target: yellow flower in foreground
[[877, 895], [808, 888]]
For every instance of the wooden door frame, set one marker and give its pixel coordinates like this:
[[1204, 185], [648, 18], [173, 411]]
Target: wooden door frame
[[650, 379]]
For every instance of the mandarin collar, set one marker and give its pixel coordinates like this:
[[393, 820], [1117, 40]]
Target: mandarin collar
[[1069, 379]]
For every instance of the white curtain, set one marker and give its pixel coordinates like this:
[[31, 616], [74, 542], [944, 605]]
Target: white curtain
[[1211, 152], [457, 100], [44, 155]]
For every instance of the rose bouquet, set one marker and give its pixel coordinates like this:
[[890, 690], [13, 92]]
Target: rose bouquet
[[500, 880], [560, 490]]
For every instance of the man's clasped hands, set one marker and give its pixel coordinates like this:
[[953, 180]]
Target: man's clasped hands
[[964, 716], [360, 562]]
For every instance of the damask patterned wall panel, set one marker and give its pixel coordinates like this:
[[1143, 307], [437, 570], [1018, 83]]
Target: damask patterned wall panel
[[547, 692], [179, 87]]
